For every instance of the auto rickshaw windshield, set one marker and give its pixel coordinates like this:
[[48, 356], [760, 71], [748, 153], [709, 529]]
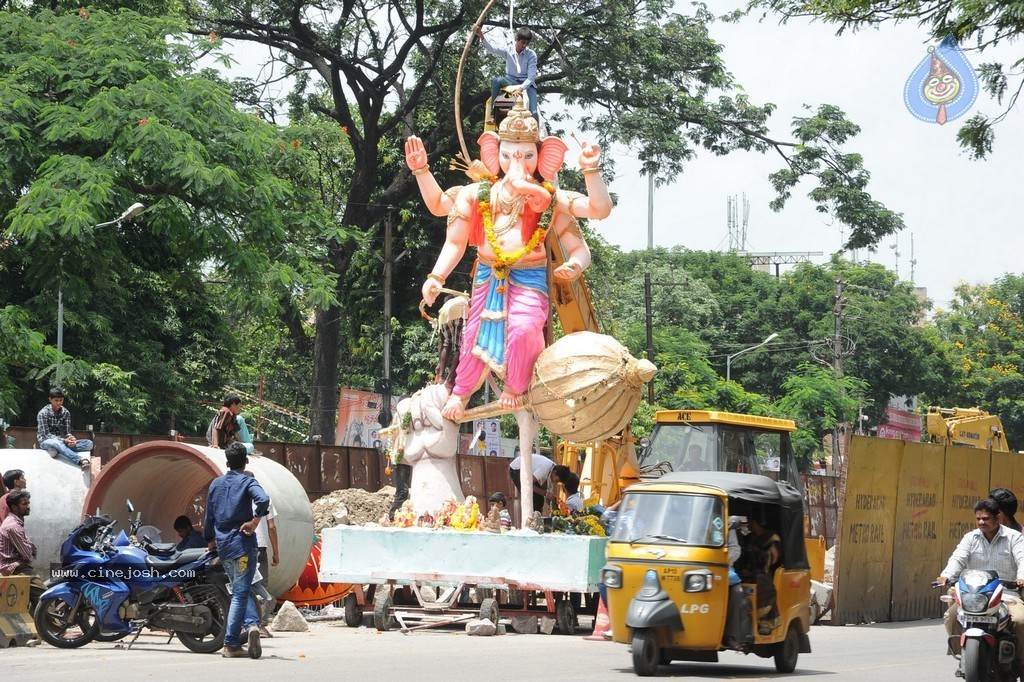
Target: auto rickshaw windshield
[[672, 518]]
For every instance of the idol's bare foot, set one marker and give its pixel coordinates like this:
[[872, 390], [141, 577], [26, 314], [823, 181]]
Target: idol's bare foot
[[454, 408], [510, 401]]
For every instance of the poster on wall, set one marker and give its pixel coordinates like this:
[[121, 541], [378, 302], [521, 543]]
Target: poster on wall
[[357, 418], [490, 444], [900, 425]]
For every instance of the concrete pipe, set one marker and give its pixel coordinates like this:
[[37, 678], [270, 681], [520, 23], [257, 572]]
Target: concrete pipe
[[58, 490], [165, 479]]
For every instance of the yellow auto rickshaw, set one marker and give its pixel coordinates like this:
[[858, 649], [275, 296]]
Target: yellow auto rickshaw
[[667, 576]]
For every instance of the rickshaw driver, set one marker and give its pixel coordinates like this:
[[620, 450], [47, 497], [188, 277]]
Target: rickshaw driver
[[738, 628]]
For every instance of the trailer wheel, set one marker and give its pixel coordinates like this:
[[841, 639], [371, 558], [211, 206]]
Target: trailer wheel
[[565, 617], [489, 610], [383, 618], [353, 617]]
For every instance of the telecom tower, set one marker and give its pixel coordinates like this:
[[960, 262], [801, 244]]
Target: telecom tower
[[759, 260], [737, 230]]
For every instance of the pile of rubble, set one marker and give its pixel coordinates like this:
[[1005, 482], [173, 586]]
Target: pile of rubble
[[353, 507]]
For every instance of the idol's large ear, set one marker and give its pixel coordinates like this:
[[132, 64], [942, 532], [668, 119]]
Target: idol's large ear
[[489, 144], [551, 157]]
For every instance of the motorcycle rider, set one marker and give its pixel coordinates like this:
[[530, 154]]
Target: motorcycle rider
[[989, 547], [1007, 502]]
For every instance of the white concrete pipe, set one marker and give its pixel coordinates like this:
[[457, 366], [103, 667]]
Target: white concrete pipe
[[58, 491], [165, 479]]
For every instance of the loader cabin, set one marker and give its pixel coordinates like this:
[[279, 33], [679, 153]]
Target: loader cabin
[[698, 440]]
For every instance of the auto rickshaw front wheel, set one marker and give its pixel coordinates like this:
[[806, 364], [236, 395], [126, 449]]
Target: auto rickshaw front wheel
[[787, 650], [646, 652]]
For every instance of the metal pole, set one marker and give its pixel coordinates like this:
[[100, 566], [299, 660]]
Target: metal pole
[[650, 333], [388, 270], [837, 362], [259, 415], [650, 212], [60, 328], [130, 212], [728, 358]]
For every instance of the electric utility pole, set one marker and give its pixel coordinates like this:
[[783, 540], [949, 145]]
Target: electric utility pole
[[383, 386], [649, 319], [837, 355], [650, 333]]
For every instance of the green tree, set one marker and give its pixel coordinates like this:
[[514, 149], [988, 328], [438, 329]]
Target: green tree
[[983, 330], [647, 76], [882, 341], [725, 306], [98, 110], [819, 400], [985, 24]]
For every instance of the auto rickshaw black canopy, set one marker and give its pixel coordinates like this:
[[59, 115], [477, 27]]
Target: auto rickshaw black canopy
[[757, 489]]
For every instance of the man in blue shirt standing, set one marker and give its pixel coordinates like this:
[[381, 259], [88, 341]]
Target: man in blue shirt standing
[[230, 528], [520, 67]]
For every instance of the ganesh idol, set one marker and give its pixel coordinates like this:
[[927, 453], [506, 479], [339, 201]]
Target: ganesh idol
[[507, 216]]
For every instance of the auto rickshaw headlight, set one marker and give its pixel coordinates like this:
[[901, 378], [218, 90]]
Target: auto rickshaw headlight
[[697, 581], [651, 586], [611, 576]]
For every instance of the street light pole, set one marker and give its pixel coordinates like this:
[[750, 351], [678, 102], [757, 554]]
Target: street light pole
[[130, 212], [728, 358]]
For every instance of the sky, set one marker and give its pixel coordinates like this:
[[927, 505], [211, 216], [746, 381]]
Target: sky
[[962, 214]]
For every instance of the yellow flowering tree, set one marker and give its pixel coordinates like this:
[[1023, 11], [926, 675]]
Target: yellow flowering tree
[[984, 329]]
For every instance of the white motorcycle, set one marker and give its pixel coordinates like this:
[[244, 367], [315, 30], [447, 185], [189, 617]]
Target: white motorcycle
[[988, 645]]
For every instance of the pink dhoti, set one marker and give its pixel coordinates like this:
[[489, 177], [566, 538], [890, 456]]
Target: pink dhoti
[[504, 332]]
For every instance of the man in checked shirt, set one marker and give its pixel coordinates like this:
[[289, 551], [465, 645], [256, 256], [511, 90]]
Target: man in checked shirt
[[54, 432], [989, 547], [17, 552]]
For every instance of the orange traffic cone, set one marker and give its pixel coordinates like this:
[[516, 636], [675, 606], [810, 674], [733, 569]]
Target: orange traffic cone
[[602, 624]]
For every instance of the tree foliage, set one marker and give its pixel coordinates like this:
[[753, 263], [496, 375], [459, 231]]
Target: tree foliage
[[985, 24], [707, 306], [646, 75], [98, 110], [983, 330], [819, 400]]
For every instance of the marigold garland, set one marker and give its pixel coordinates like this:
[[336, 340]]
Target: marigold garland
[[503, 262], [466, 515]]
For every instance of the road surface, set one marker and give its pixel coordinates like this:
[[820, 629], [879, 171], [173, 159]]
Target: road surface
[[888, 652]]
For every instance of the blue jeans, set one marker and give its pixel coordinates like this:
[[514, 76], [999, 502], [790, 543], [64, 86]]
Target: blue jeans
[[243, 610], [57, 448], [531, 92], [243, 433]]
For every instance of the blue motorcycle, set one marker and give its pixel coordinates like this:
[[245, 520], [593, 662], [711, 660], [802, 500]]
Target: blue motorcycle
[[111, 586]]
